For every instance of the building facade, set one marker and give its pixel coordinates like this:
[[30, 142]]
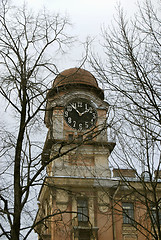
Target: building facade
[[79, 199]]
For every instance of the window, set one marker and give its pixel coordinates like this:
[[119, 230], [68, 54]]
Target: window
[[70, 137], [128, 213], [80, 138], [82, 208], [84, 235], [89, 137], [154, 215]]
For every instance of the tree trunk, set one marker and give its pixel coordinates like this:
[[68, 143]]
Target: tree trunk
[[15, 230]]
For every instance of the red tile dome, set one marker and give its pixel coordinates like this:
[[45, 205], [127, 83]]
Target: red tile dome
[[75, 76]]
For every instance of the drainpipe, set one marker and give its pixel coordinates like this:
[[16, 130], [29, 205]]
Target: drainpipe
[[113, 218]]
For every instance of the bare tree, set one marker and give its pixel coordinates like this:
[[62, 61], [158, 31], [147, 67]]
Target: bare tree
[[29, 45], [130, 72]]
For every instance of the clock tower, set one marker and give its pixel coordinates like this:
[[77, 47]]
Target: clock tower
[[72, 202]]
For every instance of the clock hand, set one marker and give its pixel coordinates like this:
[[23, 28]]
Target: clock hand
[[84, 112], [76, 110]]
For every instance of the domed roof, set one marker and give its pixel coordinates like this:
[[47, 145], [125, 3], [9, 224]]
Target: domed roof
[[75, 76]]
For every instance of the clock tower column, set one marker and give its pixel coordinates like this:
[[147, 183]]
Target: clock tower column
[[76, 120]]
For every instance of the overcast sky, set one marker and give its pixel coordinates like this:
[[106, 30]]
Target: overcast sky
[[87, 17]]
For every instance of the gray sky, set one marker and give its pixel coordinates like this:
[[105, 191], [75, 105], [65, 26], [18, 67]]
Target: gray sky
[[86, 16]]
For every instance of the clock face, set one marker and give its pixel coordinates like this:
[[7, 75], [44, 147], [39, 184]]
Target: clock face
[[80, 114]]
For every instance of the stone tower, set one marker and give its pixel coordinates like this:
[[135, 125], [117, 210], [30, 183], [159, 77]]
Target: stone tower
[[72, 202]]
